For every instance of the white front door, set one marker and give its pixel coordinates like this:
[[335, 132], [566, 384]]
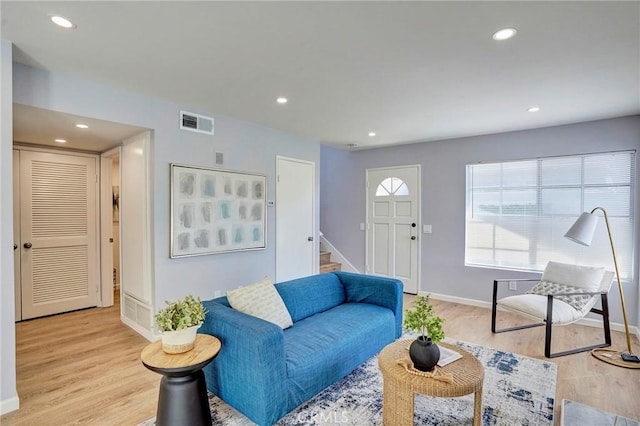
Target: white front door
[[296, 254], [58, 233], [393, 209]]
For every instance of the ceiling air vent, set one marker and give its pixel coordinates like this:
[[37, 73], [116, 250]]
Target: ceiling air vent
[[196, 122]]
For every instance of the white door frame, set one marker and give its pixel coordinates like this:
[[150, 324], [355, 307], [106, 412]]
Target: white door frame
[[106, 226], [316, 242], [17, 262], [418, 214]]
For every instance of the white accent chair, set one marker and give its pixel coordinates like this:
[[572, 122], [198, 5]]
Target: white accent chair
[[563, 295]]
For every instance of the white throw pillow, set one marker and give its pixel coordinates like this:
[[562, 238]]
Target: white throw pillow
[[261, 300], [586, 277]]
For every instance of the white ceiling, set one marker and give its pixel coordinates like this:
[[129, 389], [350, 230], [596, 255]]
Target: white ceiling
[[42, 127], [409, 71]]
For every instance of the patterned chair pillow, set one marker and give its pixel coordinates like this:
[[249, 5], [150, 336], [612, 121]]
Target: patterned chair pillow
[[578, 302]]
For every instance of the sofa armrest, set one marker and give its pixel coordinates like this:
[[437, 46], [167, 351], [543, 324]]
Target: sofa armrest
[[381, 291], [249, 372]]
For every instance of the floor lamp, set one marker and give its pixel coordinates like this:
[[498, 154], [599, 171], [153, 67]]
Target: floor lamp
[[582, 233]]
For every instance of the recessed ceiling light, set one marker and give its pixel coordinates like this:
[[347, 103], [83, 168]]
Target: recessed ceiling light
[[504, 34], [372, 134], [61, 140], [62, 22], [82, 126], [282, 100], [533, 109]]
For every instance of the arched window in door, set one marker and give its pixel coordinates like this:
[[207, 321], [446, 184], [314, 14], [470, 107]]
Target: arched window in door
[[392, 186]]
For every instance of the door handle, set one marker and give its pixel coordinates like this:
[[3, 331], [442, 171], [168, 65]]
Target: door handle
[[413, 237], [27, 245], [309, 238], [413, 225], [15, 246]]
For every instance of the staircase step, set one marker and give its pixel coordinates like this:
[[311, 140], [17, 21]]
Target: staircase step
[[325, 257], [330, 267]]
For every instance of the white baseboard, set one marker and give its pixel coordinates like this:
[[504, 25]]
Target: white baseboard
[[482, 304], [336, 256], [9, 405], [138, 329]]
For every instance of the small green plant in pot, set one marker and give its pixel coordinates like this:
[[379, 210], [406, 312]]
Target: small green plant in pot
[[178, 322], [424, 351]]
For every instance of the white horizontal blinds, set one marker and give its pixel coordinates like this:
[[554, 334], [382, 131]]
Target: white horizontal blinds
[[518, 212]]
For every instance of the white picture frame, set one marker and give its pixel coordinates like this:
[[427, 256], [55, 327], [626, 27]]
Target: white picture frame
[[216, 211]]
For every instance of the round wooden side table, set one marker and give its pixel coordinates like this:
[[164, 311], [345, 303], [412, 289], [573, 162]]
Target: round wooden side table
[[400, 385], [183, 391]]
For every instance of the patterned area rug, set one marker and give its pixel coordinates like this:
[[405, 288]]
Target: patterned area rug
[[517, 390]]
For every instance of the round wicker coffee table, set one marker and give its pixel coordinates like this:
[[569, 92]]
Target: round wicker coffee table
[[400, 385]]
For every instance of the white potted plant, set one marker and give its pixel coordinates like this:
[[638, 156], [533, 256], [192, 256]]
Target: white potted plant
[[178, 322], [423, 351]]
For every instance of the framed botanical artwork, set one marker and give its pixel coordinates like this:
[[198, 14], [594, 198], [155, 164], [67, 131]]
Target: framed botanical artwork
[[216, 211]]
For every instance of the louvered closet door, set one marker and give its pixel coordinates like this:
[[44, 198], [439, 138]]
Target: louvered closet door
[[58, 233]]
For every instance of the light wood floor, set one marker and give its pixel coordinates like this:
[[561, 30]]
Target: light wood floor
[[84, 367]]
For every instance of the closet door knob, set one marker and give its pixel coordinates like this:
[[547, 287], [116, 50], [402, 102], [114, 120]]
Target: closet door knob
[[27, 245], [15, 246]]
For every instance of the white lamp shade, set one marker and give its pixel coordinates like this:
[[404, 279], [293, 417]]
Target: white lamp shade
[[582, 231]]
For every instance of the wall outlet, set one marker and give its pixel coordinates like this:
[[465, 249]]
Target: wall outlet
[[217, 293], [513, 286]]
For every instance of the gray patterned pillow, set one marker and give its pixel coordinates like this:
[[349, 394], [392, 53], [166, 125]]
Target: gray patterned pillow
[[544, 288]]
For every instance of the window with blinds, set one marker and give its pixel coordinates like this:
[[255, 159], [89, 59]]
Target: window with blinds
[[518, 211]]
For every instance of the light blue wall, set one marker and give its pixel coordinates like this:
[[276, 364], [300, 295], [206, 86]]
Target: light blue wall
[[8, 392], [342, 197], [246, 146]]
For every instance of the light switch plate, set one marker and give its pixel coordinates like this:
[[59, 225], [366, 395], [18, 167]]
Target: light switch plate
[[427, 229], [362, 226]]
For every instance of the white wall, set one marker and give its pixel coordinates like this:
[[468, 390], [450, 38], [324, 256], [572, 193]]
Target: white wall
[[8, 392], [342, 197], [246, 146]]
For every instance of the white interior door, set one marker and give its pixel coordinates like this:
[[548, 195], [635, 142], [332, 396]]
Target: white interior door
[[393, 209], [58, 233], [296, 254]]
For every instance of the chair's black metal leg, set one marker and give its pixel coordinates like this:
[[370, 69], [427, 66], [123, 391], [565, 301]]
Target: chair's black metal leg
[[549, 323], [607, 330], [493, 306], [605, 319]]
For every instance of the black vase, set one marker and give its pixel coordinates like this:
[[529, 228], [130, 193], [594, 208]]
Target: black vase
[[424, 353]]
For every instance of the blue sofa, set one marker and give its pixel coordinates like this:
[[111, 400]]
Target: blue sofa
[[340, 320]]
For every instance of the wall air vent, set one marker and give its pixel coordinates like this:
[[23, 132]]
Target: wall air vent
[[196, 122]]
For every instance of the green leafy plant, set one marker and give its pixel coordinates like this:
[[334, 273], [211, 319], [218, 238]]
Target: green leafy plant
[[180, 314], [423, 320]]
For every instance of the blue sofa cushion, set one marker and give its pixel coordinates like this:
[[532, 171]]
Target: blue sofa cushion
[[322, 349], [309, 295]]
